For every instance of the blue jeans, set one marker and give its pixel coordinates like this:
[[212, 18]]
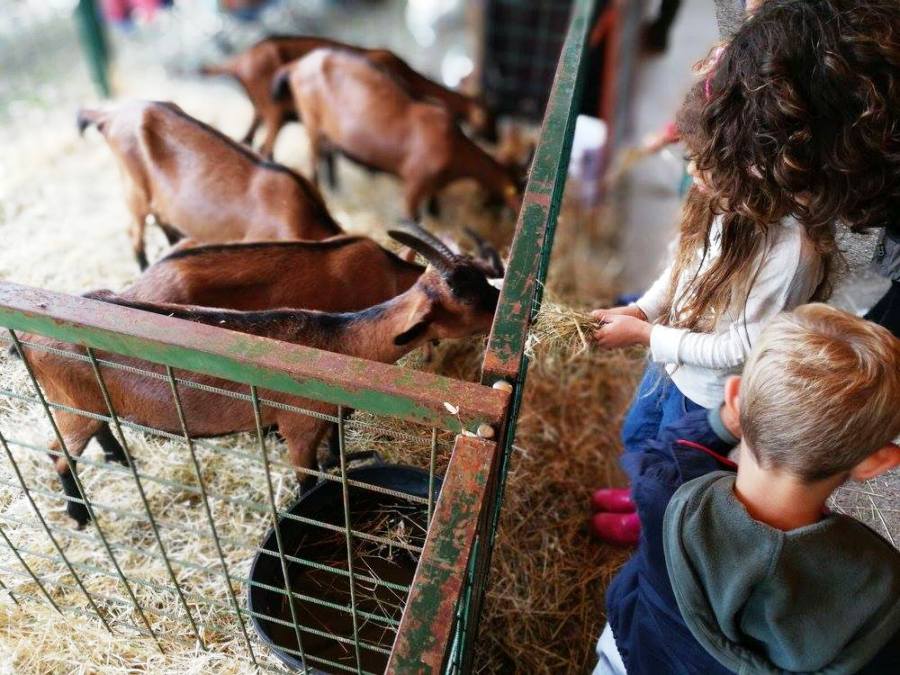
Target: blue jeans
[[657, 404]]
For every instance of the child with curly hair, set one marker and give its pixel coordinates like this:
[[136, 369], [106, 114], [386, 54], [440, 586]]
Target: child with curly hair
[[792, 131]]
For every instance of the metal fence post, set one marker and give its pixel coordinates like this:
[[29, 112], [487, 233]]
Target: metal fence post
[[94, 42]]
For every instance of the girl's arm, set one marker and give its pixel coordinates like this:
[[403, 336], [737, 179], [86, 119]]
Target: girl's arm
[[789, 276], [647, 308], [654, 300]]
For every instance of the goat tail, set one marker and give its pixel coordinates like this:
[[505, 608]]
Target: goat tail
[[87, 118], [281, 89]]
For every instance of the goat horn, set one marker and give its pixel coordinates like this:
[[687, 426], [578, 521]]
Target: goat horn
[[439, 256], [487, 251], [419, 232]]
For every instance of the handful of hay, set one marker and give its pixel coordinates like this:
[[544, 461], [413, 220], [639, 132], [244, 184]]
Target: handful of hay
[[561, 329]]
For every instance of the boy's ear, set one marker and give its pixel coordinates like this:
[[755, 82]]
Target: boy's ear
[[879, 462], [731, 409], [417, 321]]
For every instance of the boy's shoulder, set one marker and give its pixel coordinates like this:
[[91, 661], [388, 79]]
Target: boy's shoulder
[[822, 596]]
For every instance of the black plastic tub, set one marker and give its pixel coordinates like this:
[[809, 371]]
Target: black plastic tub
[[371, 513]]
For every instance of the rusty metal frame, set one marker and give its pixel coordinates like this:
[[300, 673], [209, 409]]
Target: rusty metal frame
[[426, 629], [441, 585], [268, 365]]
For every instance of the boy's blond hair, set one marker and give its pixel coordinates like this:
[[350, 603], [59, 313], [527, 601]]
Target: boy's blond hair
[[820, 392]]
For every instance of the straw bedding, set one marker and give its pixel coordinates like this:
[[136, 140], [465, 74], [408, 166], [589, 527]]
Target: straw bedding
[[64, 227]]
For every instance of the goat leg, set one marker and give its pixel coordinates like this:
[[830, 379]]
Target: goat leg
[[329, 160], [434, 207], [251, 132], [173, 236], [112, 449]]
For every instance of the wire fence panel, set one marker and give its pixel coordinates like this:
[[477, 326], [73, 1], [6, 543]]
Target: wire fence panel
[[522, 41], [162, 534]]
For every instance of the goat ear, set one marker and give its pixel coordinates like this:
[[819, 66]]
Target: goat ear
[[417, 322], [415, 332]]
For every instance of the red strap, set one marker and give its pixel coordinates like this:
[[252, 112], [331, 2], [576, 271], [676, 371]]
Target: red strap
[[712, 453]]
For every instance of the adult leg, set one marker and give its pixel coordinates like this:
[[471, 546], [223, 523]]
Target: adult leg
[[656, 33], [886, 311]]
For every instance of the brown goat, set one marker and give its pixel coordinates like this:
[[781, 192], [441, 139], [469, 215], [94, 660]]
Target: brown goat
[[341, 274], [362, 111], [451, 299], [255, 67], [199, 183]]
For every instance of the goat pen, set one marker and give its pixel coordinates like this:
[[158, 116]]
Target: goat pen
[[338, 605]]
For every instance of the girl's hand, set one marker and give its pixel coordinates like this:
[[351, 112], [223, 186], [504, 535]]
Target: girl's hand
[[630, 310], [621, 330]]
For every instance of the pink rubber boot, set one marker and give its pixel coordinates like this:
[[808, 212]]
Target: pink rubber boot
[[619, 529], [613, 500]]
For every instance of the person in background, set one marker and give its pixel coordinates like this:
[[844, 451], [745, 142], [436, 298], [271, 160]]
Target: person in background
[[887, 261], [655, 35], [730, 15], [749, 572]]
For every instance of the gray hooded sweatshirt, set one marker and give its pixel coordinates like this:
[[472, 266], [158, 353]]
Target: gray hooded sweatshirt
[[824, 598]]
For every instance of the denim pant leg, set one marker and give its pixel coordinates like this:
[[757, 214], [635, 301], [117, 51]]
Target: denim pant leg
[[674, 406], [646, 413]]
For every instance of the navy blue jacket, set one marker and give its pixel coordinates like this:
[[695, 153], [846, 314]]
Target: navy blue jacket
[[640, 605]]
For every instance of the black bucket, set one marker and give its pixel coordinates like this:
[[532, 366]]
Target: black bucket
[[370, 512]]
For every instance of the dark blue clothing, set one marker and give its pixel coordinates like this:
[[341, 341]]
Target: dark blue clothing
[[657, 404], [640, 606], [650, 633]]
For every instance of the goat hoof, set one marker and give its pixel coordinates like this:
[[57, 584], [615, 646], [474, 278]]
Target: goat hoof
[[117, 458], [78, 513]]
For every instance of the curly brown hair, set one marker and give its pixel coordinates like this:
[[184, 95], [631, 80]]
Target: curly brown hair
[[798, 116]]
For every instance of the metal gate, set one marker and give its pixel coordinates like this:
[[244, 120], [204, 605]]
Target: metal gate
[[341, 610]]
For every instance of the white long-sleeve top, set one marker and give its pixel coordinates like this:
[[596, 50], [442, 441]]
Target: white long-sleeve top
[[790, 271]]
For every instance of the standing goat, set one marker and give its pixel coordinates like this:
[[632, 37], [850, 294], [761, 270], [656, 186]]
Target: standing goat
[[359, 109], [451, 299], [255, 67], [199, 183]]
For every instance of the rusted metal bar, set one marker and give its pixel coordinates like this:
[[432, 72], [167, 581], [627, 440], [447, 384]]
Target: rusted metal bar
[[428, 619], [533, 239], [267, 364], [505, 364]]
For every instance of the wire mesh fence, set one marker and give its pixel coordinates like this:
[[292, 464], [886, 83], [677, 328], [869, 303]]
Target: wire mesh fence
[[161, 536], [522, 42]]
